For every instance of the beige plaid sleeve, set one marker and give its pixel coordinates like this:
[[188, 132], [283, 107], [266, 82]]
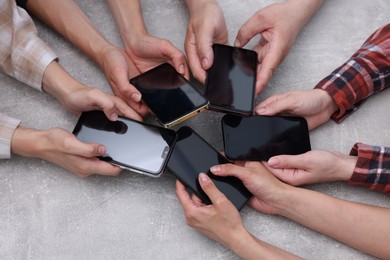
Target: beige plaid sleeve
[[23, 55], [7, 128]]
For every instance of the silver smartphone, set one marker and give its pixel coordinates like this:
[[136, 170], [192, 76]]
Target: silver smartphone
[[131, 145]]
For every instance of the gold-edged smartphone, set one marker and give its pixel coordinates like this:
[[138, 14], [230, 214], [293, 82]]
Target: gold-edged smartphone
[[168, 95]]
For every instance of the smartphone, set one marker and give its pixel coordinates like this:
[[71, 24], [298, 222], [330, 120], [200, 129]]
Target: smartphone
[[130, 144], [258, 138], [231, 80], [168, 95], [193, 155]]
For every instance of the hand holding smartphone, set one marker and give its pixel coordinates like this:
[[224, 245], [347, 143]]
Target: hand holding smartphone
[[130, 144], [168, 95], [230, 83], [193, 155]]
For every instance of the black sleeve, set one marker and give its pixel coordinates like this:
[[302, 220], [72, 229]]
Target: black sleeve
[[22, 3]]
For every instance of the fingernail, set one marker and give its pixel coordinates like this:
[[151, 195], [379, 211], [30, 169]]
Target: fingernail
[[260, 111], [203, 178], [136, 97], [215, 169], [114, 116], [205, 62], [101, 150], [273, 162], [237, 43], [181, 69]]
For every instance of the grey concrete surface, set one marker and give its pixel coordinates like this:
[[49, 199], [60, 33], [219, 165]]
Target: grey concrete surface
[[48, 213]]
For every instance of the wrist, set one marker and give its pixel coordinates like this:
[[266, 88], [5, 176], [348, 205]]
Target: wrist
[[347, 164], [195, 4], [285, 200], [250, 247], [328, 104], [134, 38], [243, 244], [27, 142], [303, 10], [58, 83]]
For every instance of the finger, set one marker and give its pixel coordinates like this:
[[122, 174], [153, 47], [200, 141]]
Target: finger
[[176, 57], [274, 105], [182, 195], [271, 56], [228, 169], [104, 168], [289, 162], [197, 201], [112, 106], [125, 110], [83, 166], [204, 42], [119, 81], [211, 190], [73, 146], [193, 59], [255, 25]]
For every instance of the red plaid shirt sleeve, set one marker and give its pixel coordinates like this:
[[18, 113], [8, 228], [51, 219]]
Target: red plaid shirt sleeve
[[372, 168], [365, 73]]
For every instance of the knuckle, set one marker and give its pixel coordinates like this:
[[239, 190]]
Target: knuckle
[[67, 143], [219, 202], [190, 218], [226, 167], [84, 169]]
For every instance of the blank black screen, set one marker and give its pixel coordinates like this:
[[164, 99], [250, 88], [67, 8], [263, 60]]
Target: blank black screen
[[167, 94], [261, 137], [231, 79]]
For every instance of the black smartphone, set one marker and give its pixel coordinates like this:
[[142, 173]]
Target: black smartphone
[[168, 95], [258, 138], [130, 144], [193, 155], [231, 80]]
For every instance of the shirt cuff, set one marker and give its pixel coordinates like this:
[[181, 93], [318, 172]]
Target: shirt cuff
[[344, 99], [372, 167], [7, 129], [34, 58]]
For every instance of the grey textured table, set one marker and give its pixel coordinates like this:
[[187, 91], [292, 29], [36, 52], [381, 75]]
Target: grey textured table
[[48, 213]]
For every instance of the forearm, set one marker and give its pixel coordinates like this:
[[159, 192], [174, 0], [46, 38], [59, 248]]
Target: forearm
[[58, 83], [67, 19], [27, 142], [246, 246], [304, 10], [361, 226], [129, 19], [194, 4], [365, 73], [23, 55]]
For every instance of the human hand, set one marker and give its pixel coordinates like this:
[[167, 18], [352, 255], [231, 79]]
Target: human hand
[[87, 98], [64, 149], [220, 220], [267, 190], [312, 167], [118, 69], [278, 26], [315, 105], [147, 52], [206, 26]]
